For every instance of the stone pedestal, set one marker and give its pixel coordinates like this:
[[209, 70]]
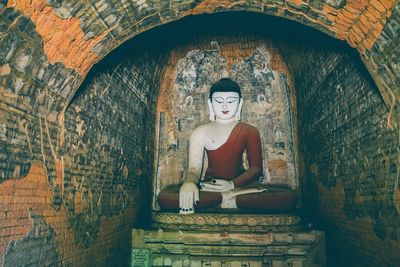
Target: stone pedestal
[[208, 239]]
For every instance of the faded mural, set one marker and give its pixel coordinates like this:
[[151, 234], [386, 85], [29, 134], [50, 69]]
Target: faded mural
[[267, 105]]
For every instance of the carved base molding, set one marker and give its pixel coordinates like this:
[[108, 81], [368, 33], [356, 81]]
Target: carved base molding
[[227, 240], [234, 222]]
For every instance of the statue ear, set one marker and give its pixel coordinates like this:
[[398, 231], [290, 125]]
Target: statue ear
[[239, 111], [211, 111]]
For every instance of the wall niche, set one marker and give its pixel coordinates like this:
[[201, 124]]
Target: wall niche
[[269, 104]]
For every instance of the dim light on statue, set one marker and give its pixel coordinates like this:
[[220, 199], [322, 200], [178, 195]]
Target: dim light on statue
[[226, 184]]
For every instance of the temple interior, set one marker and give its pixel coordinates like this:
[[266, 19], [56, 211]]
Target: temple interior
[[98, 101]]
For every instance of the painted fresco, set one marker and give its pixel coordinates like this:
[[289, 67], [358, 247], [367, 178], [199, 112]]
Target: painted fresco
[[267, 105]]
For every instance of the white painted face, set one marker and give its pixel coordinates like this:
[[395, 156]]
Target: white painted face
[[225, 105]]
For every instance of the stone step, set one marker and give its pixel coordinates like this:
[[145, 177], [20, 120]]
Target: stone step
[[227, 239], [283, 247]]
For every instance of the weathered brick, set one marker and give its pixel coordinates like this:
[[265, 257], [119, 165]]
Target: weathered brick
[[342, 26], [373, 14], [6, 232], [19, 214], [345, 20], [386, 3], [356, 33], [364, 28], [350, 15], [378, 6], [76, 20], [364, 20], [356, 138]]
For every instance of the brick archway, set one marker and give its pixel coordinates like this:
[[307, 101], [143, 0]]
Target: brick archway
[[79, 35]]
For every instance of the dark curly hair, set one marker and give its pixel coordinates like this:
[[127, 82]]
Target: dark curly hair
[[225, 85]]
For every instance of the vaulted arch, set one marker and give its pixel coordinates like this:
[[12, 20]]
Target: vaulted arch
[[78, 35]]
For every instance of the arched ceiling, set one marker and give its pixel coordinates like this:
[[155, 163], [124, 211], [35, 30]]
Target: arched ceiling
[[77, 34]]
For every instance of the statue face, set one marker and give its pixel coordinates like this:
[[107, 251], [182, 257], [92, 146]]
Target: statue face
[[225, 104]]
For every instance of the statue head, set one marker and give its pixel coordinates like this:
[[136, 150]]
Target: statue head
[[225, 100]]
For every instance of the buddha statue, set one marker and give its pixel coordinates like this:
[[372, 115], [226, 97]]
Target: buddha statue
[[226, 183]]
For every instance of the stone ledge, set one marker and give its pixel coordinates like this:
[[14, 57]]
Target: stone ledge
[[234, 222], [229, 238]]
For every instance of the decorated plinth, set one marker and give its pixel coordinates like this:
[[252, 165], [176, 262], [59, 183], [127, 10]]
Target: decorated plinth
[[230, 239]]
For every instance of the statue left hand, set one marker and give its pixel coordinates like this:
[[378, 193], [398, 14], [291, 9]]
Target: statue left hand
[[217, 185]]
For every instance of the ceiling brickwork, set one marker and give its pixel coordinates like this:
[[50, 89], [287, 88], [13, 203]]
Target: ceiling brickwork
[[80, 33]]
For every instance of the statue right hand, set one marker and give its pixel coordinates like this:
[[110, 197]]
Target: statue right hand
[[188, 195]]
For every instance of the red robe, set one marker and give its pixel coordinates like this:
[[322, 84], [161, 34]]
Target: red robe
[[227, 161]]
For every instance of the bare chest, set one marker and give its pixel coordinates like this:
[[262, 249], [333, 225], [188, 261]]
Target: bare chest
[[217, 136]]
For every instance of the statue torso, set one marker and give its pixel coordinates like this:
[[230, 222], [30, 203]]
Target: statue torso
[[226, 161], [216, 135]]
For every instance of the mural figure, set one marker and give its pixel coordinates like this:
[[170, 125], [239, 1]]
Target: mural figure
[[226, 182]]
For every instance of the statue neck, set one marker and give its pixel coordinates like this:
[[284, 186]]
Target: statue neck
[[225, 122]]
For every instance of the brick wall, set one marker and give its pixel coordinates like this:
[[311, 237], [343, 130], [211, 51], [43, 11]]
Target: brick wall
[[75, 183], [47, 49], [350, 155]]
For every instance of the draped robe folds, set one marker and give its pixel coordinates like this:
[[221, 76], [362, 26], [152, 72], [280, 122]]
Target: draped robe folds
[[226, 162]]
